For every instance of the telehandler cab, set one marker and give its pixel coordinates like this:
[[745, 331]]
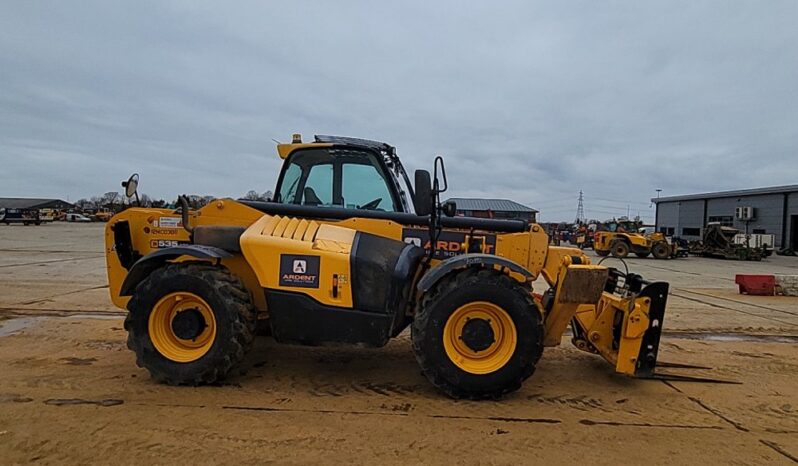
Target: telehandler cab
[[337, 257]]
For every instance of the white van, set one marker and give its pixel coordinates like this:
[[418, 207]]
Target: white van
[[77, 218]]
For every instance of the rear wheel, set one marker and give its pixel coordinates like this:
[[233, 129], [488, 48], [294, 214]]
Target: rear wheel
[[661, 250], [190, 324], [619, 249], [478, 334]]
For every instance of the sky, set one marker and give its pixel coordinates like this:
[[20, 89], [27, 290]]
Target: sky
[[530, 101]]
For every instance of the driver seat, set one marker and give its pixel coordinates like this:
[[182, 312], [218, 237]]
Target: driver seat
[[310, 197]]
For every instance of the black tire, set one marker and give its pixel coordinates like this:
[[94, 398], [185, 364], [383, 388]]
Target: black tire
[[661, 250], [232, 309], [619, 249], [602, 252], [457, 290], [263, 328], [642, 254]]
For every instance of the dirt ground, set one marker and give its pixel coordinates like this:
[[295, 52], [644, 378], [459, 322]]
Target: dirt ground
[[70, 391]]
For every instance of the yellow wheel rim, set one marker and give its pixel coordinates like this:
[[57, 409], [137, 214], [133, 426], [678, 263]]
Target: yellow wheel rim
[[182, 327], [488, 352]]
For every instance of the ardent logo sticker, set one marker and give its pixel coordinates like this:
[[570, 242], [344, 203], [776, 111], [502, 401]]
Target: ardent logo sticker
[[449, 242], [300, 266], [299, 271]]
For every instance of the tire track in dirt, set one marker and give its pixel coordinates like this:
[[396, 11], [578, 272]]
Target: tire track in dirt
[[588, 422], [718, 306], [579, 402], [738, 426], [59, 313], [668, 269], [731, 336], [778, 449], [66, 293], [397, 413], [53, 261], [53, 251], [767, 308], [708, 408], [405, 413]]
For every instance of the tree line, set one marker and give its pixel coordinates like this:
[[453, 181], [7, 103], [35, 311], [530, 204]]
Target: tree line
[[116, 202]]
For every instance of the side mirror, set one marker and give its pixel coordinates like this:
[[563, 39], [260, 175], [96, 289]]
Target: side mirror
[[449, 208], [422, 193], [131, 185]]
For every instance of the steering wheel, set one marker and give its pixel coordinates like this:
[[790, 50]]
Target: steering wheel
[[371, 205]]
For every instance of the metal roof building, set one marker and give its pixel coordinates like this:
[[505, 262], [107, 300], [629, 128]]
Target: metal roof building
[[33, 203], [493, 208], [775, 211]]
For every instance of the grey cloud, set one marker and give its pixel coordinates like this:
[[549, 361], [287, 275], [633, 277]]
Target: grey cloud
[[530, 101]]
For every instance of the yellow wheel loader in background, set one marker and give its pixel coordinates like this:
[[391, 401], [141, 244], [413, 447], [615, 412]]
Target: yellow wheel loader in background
[[338, 258]]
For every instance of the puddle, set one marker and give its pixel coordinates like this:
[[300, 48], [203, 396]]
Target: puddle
[[78, 401], [96, 316], [72, 361], [16, 325], [732, 337], [15, 399], [13, 325]]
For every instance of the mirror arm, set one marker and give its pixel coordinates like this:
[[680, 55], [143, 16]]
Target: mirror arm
[[184, 213]]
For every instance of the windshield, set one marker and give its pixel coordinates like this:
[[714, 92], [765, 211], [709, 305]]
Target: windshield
[[351, 179]]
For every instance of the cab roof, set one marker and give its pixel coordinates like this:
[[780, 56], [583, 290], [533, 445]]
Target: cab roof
[[329, 141]]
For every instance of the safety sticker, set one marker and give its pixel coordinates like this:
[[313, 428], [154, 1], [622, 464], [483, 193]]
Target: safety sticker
[[170, 222]]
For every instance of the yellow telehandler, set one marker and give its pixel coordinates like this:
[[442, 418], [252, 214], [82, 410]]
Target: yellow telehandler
[[350, 252], [620, 237]]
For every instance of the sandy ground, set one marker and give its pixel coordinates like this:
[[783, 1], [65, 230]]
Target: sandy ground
[[70, 391]]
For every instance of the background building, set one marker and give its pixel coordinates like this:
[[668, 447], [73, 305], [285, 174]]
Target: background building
[[493, 208], [775, 212], [33, 203]]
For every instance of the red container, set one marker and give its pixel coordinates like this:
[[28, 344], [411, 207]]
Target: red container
[[758, 285]]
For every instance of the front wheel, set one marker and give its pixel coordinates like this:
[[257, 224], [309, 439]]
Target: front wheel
[[661, 250], [619, 249], [478, 334], [190, 323]]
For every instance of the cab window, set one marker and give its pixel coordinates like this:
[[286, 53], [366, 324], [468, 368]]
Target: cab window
[[364, 187], [319, 186], [348, 178]]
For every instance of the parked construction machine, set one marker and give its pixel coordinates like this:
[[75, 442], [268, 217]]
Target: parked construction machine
[[619, 238], [718, 242], [350, 252]]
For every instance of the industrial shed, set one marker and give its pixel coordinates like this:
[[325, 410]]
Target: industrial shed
[[33, 203], [775, 212], [493, 208]]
